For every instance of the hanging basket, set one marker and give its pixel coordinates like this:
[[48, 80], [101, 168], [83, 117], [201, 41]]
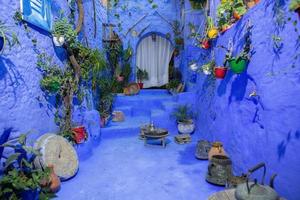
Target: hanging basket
[[238, 65], [220, 72]]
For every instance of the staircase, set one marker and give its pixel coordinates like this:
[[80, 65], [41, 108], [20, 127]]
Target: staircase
[[149, 105]]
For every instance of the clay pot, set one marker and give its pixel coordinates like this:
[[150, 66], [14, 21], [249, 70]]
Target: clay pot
[[80, 134], [141, 85], [216, 149], [205, 44], [54, 180], [203, 147], [220, 72], [250, 4], [236, 15]]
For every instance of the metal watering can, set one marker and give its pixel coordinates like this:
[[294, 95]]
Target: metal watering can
[[254, 190]]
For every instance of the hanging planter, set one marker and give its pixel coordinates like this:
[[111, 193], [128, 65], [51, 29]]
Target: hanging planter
[[238, 65], [295, 6], [58, 41], [80, 134], [212, 31], [205, 44], [220, 72]]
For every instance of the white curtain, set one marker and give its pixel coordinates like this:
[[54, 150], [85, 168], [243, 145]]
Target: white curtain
[[154, 56]]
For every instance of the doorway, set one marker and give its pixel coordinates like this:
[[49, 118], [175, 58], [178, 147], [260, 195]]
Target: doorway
[[154, 53]]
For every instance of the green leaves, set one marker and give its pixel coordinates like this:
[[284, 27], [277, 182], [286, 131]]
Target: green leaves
[[11, 159]]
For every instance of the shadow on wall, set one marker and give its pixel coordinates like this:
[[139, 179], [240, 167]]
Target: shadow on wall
[[10, 77], [282, 146]]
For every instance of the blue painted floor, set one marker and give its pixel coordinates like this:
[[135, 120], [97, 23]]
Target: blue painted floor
[[122, 168]]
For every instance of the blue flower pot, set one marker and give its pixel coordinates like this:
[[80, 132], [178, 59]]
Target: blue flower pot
[[1, 43]]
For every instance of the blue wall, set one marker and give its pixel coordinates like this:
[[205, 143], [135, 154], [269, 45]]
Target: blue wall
[[22, 103], [266, 127], [131, 12]]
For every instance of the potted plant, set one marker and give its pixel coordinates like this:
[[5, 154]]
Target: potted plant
[[63, 32], [239, 63], [205, 43], [251, 3], [212, 31], [141, 75], [239, 9], [208, 68], [175, 86], [295, 6], [184, 117], [224, 15], [7, 37], [21, 180], [220, 71], [79, 134]]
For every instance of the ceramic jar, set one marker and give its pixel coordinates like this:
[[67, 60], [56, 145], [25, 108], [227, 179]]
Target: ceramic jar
[[216, 149], [203, 147]]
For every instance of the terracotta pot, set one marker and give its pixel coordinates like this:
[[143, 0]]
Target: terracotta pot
[[216, 149], [205, 44], [141, 85], [80, 134], [54, 180], [250, 4], [220, 72], [236, 15]]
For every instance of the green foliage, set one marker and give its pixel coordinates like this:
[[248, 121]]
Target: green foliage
[[208, 67], [62, 27], [142, 74], [198, 4], [239, 7], [20, 174], [294, 5], [224, 13], [183, 113], [107, 86], [8, 36], [173, 84]]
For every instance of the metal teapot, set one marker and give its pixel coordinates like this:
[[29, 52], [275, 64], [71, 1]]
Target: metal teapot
[[254, 190]]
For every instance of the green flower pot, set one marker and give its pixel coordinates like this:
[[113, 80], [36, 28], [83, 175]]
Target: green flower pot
[[238, 65]]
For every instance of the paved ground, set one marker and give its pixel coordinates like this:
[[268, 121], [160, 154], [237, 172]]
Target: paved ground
[[122, 168]]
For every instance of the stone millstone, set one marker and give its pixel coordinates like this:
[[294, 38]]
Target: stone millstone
[[57, 151]]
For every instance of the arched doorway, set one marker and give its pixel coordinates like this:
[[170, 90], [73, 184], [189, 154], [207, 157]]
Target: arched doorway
[[154, 53]]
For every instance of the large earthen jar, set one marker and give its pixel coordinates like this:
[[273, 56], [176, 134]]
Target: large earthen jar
[[216, 149]]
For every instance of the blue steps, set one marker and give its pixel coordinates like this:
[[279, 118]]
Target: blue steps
[[141, 109]]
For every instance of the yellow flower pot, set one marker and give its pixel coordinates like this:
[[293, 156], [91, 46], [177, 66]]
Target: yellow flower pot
[[212, 33]]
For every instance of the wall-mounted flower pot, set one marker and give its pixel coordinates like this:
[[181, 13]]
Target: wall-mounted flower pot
[[205, 44], [236, 15], [212, 33], [220, 72], [1, 43], [80, 134], [58, 41], [238, 65]]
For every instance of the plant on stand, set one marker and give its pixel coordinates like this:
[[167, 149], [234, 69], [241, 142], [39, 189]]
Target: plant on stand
[[21, 180], [184, 116], [141, 75], [295, 6], [7, 37]]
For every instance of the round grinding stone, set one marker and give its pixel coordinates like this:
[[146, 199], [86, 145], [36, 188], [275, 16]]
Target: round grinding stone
[[57, 151]]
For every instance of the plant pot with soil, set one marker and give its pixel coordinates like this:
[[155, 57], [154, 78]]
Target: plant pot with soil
[[141, 75], [184, 116]]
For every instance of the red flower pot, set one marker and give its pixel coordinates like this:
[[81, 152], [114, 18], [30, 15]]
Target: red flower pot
[[220, 72], [141, 85], [80, 134], [205, 44]]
